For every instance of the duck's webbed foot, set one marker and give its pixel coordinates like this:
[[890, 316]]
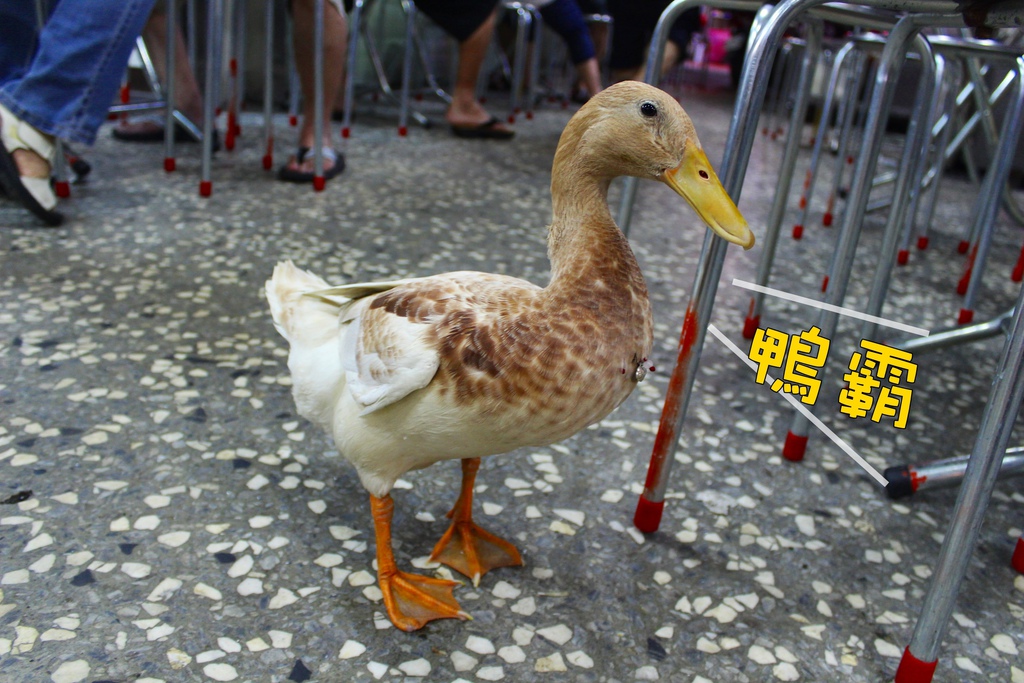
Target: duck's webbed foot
[[467, 548], [412, 600]]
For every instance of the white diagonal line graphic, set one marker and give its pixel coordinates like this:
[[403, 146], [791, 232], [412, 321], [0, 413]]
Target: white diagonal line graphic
[[885, 322]]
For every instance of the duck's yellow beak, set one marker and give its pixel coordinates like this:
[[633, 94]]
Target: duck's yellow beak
[[696, 181]]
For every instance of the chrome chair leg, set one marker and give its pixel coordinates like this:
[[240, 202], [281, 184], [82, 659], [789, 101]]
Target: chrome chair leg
[[169, 88], [268, 85], [921, 656], [214, 31], [807, 66]]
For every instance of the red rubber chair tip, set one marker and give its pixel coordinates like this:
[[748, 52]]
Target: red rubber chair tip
[[764, 131], [62, 189], [963, 246], [346, 132], [1017, 561], [795, 447], [1018, 273], [403, 131], [750, 325], [966, 316], [798, 232], [961, 287], [205, 188], [511, 118], [913, 670], [293, 121], [319, 183], [824, 283], [803, 202], [529, 116], [268, 162], [849, 160], [922, 243], [902, 257], [648, 515], [826, 220], [170, 164]]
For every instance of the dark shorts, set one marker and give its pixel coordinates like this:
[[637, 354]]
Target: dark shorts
[[458, 18], [593, 6], [634, 25]]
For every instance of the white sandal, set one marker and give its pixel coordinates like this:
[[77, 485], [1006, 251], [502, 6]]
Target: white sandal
[[35, 194]]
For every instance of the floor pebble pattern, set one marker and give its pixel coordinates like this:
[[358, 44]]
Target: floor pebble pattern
[[166, 516]]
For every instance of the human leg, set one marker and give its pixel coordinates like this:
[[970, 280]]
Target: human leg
[[632, 33], [83, 50], [471, 22], [565, 18], [188, 97], [335, 51], [679, 36], [63, 92], [466, 109]]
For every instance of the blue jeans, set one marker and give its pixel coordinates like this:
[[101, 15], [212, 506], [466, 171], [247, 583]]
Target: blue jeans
[[64, 83]]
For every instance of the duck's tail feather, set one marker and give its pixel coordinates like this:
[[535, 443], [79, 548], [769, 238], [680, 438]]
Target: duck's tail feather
[[307, 320], [311, 326]]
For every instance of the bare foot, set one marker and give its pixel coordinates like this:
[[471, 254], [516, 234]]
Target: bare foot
[[307, 165], [30, 164], [140, 128], [296, 171], [469, 113]]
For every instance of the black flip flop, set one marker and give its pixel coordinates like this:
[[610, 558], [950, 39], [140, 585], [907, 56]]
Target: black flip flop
[[10, 179], [291, 175], [488, 129]]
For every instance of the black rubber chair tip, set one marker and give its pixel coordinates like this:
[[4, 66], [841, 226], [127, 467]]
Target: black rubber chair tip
[[899, 482]]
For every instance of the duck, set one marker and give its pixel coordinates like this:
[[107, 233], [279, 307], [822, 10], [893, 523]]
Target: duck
[[463, 365]]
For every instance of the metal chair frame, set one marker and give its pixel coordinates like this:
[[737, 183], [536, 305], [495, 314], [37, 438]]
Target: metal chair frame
[[921, 656]]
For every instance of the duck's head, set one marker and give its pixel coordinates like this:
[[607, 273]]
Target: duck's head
[[635, 129]]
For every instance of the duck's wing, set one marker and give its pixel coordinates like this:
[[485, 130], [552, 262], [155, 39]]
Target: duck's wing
[[389, 347], [396, 337], [344, 294], [385, 357]]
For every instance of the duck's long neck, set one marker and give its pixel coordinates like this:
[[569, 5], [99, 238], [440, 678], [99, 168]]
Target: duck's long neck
[[584, 243]]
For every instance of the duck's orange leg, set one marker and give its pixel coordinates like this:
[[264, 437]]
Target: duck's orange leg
[[411, 600], [467, 548]]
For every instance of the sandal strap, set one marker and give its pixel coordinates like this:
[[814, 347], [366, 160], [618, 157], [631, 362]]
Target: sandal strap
[[16, 134], [41, 190], [307, 153]]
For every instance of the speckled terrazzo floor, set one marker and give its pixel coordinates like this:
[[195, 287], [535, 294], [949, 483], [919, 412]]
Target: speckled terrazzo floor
[[183, 524]]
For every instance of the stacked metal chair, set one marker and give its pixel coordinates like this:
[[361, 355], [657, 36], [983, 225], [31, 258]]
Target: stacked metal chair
[[905, 19]]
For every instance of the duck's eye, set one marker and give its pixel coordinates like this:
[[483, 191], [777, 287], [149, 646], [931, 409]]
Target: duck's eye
[[703, 174], [648, 109]]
